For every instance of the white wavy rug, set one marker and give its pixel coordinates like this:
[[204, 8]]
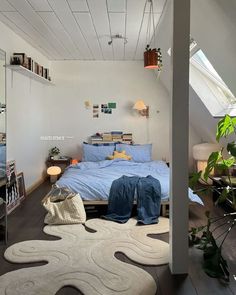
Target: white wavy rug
[[86, 260]]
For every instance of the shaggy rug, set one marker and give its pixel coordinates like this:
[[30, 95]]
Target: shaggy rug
[[86, 261]]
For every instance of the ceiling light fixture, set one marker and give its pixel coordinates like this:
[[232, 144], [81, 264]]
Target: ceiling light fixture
[[152, 57], [117, 36]]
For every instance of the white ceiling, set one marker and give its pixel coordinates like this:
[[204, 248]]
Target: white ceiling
[[81, 29]]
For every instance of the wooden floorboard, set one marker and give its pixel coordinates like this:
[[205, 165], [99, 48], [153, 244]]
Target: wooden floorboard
[[26, 223]]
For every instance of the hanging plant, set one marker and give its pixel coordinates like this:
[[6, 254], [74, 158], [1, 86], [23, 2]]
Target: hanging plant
[[152, 58]]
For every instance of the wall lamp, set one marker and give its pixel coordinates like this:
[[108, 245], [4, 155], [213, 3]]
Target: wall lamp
[[141, 108]]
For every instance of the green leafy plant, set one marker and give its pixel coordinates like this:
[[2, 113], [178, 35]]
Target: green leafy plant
[[214, 264], [54, 151]]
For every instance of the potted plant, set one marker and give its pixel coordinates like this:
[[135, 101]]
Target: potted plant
[[204, 237], [54, 153], [152, 58]]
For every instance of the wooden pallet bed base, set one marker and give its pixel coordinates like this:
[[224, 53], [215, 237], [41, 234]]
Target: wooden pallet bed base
[[164, 205], [105, 202]]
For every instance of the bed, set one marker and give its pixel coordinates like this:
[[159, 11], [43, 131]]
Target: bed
[[92, 180]]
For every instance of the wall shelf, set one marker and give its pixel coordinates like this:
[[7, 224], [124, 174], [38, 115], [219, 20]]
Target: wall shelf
[[30, 74]]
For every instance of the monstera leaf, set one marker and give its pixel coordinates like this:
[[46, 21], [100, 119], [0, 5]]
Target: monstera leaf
[[211, 163], [225, 127], [195, 177], [231, 148], [226, 163]]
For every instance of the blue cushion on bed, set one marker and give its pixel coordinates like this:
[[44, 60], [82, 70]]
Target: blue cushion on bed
[[93, 153], [139, 153]]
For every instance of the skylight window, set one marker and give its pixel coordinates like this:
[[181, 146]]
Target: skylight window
[[210, 87], [207, 83]]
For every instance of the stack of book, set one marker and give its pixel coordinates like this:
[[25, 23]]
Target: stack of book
[[96, 138], [116, 135], [127, 138], [22, 59], [106, 136]]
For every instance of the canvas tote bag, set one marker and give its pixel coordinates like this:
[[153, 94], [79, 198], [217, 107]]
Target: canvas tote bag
[[63, 207]]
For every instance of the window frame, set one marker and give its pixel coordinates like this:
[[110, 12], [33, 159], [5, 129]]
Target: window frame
[[226, 108]]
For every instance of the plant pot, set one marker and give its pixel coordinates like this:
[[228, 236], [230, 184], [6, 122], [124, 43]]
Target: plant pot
[[150, 59], [56, 157]]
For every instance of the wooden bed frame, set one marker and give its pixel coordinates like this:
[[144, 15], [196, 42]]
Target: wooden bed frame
[[164, 205]]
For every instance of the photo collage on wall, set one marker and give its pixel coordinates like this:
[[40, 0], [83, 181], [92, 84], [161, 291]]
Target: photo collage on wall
[[96, 111], [106, 108]]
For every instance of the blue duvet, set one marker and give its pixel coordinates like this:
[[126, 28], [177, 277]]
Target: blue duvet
[[92, 180]]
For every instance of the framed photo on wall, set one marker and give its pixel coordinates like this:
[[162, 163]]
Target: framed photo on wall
[[13, 197], [21, 186]]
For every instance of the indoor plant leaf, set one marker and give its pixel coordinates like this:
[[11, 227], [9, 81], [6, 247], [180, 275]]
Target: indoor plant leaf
[[226, 163], [231, 148], [211, 163], [222, 197], [226, 126], [194, 179]]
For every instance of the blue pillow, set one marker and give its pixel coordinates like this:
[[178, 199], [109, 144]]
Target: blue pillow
[[139, 153], [93, 153]]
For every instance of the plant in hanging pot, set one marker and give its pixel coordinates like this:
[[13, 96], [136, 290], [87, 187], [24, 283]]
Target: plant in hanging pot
[[152, 58], [54, 153], [205, 236]]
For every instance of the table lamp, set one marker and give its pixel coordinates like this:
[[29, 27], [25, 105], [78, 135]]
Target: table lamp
[[53, 171]]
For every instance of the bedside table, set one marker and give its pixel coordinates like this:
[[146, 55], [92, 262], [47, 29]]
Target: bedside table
[[62, 163]]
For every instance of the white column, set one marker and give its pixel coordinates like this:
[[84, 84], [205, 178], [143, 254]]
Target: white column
[[179, 138]]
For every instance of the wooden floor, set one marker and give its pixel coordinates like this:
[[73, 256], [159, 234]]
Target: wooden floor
[[26, 223]]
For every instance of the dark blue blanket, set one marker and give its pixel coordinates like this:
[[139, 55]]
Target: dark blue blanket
[[121, 198]]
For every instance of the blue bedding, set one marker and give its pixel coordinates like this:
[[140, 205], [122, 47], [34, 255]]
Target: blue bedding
[[92, 180]]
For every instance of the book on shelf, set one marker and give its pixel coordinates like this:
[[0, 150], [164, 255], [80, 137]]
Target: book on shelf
[[127, 134], [96, 138], [116, 136], [117, 139], [107, 136], [101, 142], [113, 136]]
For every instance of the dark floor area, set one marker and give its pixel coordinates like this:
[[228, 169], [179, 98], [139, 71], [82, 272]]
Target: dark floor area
[[26, 223]]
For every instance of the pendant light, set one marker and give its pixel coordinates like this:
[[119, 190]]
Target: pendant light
[[152, 56]]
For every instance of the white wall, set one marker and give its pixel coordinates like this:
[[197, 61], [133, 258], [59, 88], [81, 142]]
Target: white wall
[[27, 117], [102, 82]]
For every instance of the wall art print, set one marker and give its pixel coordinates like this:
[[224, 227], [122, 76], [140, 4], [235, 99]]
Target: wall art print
[[13, 196]]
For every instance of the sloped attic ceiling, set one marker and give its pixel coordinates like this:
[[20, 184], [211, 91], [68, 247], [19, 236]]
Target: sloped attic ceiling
[[81, 29], [213, 26]]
